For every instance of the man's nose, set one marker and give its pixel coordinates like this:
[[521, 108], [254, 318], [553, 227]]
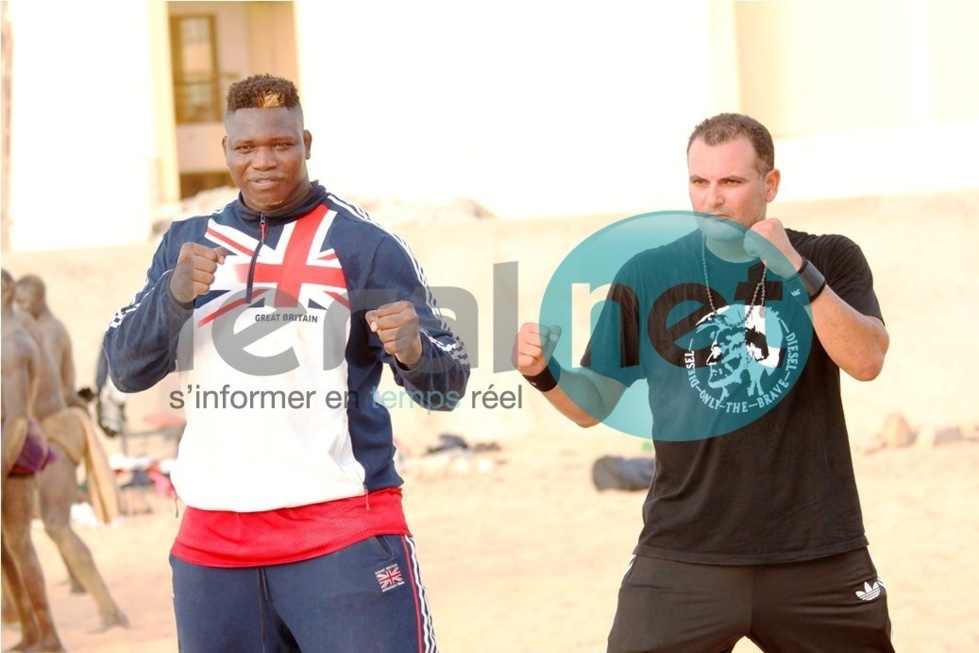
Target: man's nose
[[714, 196], [264, 159]]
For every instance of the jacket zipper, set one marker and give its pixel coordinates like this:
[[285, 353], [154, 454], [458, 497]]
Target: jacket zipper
[[251, 265]]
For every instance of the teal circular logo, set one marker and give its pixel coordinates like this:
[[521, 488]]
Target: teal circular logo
[[704, 324]]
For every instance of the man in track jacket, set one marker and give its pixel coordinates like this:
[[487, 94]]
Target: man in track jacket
[[280, 312]]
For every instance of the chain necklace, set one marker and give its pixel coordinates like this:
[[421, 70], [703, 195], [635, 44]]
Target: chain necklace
[[710, 297]]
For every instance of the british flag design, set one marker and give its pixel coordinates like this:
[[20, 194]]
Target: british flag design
[[389, 577], [298, 271]]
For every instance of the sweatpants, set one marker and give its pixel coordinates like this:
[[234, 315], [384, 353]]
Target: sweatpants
[[365, 598]]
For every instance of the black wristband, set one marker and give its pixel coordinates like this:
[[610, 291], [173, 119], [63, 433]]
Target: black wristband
[[544, 381], [812, 280]]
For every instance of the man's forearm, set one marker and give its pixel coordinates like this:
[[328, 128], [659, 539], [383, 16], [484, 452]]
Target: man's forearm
[[857, 343], [583, 396], [440, 377], [141, 342]]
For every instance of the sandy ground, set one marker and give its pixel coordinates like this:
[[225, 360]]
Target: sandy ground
[[521, 553], [526, 555]]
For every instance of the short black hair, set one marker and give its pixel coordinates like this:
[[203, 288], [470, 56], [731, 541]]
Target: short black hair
[[8, 289], [725, 127], [262, 92], [33, 283]]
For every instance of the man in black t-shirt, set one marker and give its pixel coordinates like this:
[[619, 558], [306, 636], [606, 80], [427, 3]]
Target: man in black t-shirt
[[752, 525]]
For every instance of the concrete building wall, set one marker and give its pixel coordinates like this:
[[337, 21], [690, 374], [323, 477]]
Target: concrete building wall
[[813, 67], [166, 163], [84, 152], [863, 98], [533, 109]]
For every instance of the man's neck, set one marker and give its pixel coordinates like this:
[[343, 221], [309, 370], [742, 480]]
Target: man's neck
[[731, 251], [289, 205]]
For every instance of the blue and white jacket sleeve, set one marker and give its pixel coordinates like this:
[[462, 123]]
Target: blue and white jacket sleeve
[[141, 341], [439, 380]]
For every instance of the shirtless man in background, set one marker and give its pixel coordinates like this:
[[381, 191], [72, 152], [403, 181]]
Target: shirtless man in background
[[65, 427], [23, 576], [31, 297]]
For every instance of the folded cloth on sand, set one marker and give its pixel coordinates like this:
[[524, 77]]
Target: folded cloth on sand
[[36, 454], [616, 472]]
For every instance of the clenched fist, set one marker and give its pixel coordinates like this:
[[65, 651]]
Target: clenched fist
[[194, 274], [396, 324], [768, 241], [533, 347]]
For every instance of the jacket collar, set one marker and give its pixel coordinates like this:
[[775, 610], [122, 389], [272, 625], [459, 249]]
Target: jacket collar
[[283, 215]]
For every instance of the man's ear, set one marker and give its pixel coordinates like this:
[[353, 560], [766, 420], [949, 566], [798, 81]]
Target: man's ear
[[772, 179], [224, 150], [308, 142]]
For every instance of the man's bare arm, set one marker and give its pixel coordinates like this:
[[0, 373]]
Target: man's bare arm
[[67, 368], [857, 343], [18, 387], [583, 396]]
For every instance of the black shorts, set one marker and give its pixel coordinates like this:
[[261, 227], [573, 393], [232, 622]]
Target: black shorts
[[832, 604]]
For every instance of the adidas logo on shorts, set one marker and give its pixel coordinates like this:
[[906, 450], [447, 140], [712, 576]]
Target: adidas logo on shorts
[[870, 592]]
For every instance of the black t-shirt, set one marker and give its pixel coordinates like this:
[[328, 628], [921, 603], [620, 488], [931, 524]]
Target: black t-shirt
[[753, 456]]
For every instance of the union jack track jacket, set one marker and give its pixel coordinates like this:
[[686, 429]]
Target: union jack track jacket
[[278, 368]]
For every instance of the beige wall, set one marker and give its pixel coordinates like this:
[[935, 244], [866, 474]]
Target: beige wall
[[199, 147], [272, 38], [533, 110], [820, 66], [165, 164], [863, 98], [808, 66], [952, 31]]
